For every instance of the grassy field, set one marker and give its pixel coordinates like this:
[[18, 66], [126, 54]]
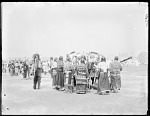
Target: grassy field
[[18, 97]]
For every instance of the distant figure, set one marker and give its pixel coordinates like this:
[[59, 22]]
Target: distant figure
[[25, 69], [50, 66], [12, 69], [37, 71], [115, 68]]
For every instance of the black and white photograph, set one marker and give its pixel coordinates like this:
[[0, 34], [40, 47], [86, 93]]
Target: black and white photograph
[[74, 58]]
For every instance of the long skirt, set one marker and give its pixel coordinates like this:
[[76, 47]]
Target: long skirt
[[16, 70], [25, 74], [68, 77], [11, 72], [103, 82], [60, 79], [115, 82], [81, 88], [54, 80], [54, 77]]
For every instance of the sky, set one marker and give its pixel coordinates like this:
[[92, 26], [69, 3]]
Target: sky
[[54, 29]]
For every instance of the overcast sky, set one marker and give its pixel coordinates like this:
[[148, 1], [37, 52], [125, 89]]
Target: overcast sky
[[54, 29]]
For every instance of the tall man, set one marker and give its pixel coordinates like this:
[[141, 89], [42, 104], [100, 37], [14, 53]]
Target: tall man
[[37, 71]]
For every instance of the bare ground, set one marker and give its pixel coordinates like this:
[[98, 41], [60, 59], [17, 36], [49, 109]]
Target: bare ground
[[19, 97]]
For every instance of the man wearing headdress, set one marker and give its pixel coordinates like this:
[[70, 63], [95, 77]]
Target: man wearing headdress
[[60, 73], [115, 68], [37, 71]]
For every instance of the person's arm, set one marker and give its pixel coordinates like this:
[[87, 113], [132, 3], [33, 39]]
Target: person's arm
[[120, 67]]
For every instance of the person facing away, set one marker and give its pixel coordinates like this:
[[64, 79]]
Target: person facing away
[[68, 68], [115, 68], [54, 73], [60, 73], [103, 80]]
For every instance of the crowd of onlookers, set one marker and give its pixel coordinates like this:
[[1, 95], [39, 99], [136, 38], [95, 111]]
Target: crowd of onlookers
[[24, 67]]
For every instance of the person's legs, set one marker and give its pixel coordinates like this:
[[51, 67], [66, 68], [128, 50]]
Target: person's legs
[[39, 81], [34, 82], [70, 76], [29, 73], [74, 80]]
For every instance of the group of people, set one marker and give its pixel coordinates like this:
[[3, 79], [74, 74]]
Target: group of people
[[82, 74], [17, 67], [77, 72]]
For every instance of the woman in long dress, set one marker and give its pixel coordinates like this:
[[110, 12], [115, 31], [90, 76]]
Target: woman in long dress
[[103, 79], [115, 68], [54, 73], [60, 73]]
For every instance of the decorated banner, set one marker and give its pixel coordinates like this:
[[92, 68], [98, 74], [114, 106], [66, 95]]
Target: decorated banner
[[94, 56]]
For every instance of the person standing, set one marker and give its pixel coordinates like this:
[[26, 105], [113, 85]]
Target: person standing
[[68, 71], [115, 68], [60, 73], [25, 69], [37, 71], [75, 63], [50, 66], [103, 79], [81, 78], [54, 73]]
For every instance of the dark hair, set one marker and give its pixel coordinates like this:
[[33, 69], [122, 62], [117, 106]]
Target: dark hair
[[60, 58], [82, 61], [51, 58], [103, 59], [116, 58]]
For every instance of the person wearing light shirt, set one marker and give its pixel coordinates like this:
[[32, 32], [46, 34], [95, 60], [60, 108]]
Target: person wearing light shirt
[[103, 80], [54, 73]]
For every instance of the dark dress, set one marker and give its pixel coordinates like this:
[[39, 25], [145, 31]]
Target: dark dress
[[25, 69], [60, 74], [103, 82], [54, 76]]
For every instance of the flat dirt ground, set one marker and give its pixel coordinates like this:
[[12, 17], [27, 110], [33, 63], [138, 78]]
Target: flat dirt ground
[[19, 97]]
